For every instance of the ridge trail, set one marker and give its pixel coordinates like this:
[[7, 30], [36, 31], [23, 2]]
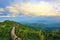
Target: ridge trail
[[13, 35]]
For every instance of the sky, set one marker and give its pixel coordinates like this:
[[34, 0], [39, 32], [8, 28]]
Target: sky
[[33, 8], [24, 9]]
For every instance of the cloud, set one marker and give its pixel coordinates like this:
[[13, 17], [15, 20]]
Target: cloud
[[1, 10], [13, 11], [34, 9], [40, 9], [5, 16]]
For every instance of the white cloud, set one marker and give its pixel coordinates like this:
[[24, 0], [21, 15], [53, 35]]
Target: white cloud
[[1, 10], [7, 16], [13, 11], [40, 9]]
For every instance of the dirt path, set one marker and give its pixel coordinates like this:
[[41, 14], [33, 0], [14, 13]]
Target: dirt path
[[13, 35]]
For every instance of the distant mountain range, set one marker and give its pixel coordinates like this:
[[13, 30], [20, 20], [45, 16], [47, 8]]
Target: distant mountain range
[[25, 19], [46, 25], [47, 22]]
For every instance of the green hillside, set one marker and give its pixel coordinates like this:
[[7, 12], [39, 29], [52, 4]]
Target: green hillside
[[26, 33], [5, 29]]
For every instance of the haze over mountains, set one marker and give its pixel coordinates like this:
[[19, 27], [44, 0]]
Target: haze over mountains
[[50, 22], [33, 19]]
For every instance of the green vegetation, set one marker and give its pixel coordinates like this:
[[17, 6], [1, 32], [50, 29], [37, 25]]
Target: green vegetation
[[5, 29], [27, 33]]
